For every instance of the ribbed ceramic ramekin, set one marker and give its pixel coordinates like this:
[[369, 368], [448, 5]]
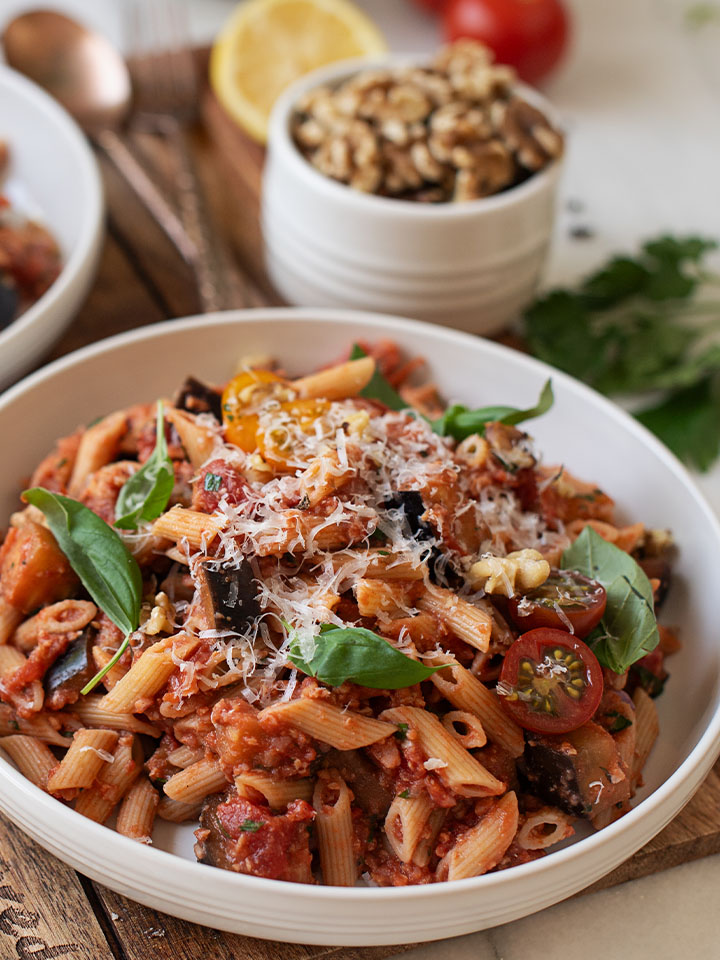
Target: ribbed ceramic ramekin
[[471, 265]]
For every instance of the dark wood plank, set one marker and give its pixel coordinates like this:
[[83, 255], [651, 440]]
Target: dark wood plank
[[148, 935], [39, 918]]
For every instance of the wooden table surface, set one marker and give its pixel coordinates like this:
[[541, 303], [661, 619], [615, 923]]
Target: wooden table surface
[[47, 910]]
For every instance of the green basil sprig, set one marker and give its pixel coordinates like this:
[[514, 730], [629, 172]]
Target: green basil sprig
[[628, 629], [459, 422], [145, 495], [378, 388], [357, 654], [106, 568]]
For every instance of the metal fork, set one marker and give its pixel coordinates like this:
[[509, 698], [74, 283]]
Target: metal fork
[[166, 88]]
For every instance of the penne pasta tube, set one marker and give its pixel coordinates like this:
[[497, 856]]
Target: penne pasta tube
[[93, 714], [483, 846], [196, 782], [647, 728], [113, 781], [337, 383], [466, 692], [380, 598], [324, 476], [197, 440], [426, 843], [467, 622], [136, 816], [98, 446], [342, 729], [149, 673], [334, 830], [180, 524], [466, 728], [452, 763], [544, 827], [405, 824], [88, 753], [184, 756], [176, 812], [42, 726], [278, 793], [117, 671], [33, 758]]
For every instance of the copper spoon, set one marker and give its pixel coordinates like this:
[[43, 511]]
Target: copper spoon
[[81, 70]]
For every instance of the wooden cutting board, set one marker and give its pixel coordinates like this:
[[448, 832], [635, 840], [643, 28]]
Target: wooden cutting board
[[46, 908]]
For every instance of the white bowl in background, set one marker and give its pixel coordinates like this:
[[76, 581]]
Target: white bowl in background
[[471, 265], [595, 438], [53, 177]]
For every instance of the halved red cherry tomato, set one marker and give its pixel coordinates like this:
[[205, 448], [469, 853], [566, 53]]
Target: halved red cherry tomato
[[566, 600], [550, 681]]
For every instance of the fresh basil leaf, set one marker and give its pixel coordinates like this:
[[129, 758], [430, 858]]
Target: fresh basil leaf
[[145, 495], [378, 388], [628, 629], [96, 553], [357, 654], [460, 423]]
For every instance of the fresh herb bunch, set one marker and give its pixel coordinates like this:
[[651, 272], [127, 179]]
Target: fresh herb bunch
[[639, 325]]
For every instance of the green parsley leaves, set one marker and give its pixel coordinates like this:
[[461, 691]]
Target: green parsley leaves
[[640, 325]]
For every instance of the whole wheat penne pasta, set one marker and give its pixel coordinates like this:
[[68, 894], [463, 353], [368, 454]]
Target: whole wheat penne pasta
[[101, 658], [66, 616], [460, 771], [405, 823], [322, 477], [10, 619], [336, 383], [148, 674], [198, 440], [180, 524], [93, 714], [465, 691], [33, 758], [278, 793], [483, 846], [466, 728], [89, 751], [98, 446], [136, 816], [342, 729], [334, 829], [184, 756], [113, 781], [470, 623], [647, 728], [196, 782], [544, 827], [176, 812]]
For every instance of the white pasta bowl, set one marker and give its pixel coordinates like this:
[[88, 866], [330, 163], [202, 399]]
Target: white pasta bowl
[[53, 178], [591, 436]]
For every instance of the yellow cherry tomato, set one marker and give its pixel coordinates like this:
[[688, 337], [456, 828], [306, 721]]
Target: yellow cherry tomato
[[282, 441], [243, 393]]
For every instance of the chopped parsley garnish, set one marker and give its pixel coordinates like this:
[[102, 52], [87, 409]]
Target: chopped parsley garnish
[[405, 795], [251, 826], [401, 732], [213, 482]]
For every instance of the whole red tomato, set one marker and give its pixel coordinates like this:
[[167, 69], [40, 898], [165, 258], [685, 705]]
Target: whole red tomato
[[530, 35]]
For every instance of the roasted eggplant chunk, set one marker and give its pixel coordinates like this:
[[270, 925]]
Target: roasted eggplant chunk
[[228, 594], [68, 675], [363, 779], [413, 508], [198, 397]]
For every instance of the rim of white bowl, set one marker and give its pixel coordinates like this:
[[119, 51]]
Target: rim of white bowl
[[281, 141], [691, 770], [92, 221]]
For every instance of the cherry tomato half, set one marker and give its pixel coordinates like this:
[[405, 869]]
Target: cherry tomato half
[[530, 35], [566, 599], [243, 393], [550, 681], [282, 443]]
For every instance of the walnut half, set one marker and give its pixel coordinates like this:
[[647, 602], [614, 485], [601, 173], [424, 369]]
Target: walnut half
[[518, 572]]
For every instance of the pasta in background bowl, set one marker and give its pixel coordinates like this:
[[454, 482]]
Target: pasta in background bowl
[[593, 438]]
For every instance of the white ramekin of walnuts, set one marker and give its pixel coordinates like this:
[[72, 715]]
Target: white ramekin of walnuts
[[426, 189]]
